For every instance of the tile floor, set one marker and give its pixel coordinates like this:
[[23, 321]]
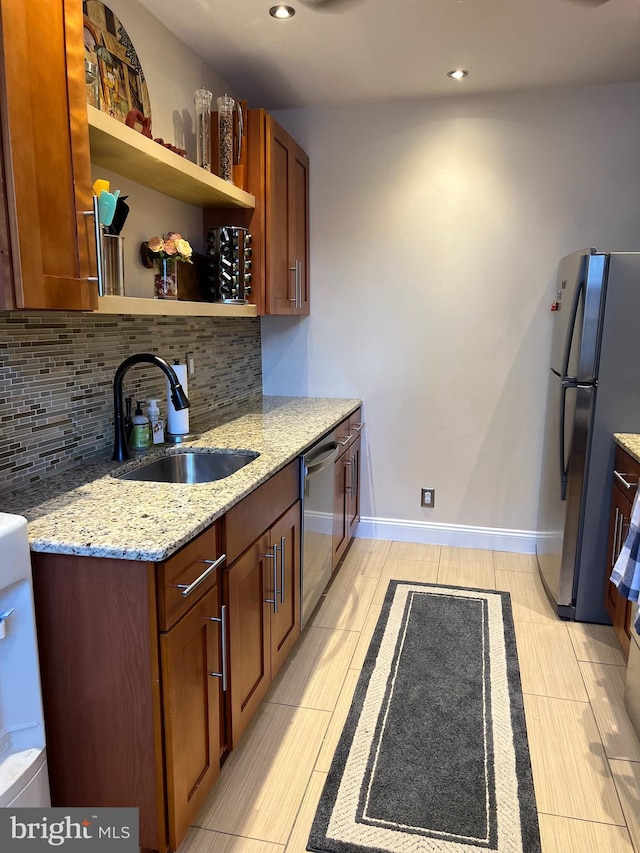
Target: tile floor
[[584, 753]]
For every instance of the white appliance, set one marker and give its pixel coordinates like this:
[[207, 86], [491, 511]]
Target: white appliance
[[24, 779]]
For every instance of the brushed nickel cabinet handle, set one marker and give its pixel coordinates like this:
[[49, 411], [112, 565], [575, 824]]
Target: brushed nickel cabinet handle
[[358, 427], [275, 580], [297, 283], [273, 556], [282, 569], [187, 589], [96, 226], [223, 645], [349, 464], [294, 270], [346, 441], [619, 543], [615, 539], [621, 479], [354, 474]]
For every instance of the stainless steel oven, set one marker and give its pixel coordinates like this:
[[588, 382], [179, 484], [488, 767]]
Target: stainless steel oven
[[316, 490]]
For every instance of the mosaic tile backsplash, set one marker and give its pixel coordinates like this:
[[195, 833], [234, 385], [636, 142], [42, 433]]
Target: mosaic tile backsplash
[[56, 380]]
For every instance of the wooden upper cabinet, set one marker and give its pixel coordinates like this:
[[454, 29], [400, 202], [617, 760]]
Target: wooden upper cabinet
[[278, 177], [300, 165], [46, 242], [287, 231]]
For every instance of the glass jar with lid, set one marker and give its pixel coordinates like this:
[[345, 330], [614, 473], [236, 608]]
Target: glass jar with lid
[[92, 79], [226, 107], [202, 99]]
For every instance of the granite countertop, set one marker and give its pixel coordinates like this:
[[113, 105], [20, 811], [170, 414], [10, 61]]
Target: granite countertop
[[629, 441], [88, 511]]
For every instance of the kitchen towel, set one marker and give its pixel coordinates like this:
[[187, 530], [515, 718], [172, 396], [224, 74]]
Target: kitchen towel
[[626, 572], [178, 421]]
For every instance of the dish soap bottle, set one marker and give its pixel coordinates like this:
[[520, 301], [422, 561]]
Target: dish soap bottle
[[140, 436], [156, 423]]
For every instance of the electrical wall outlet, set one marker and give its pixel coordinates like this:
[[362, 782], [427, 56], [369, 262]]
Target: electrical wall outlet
[[428, 498], [191, 369]]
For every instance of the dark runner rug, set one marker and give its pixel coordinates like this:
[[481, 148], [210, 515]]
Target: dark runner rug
[[434, 755]]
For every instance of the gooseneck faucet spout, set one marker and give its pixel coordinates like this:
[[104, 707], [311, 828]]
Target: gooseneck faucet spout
[[178, 397]]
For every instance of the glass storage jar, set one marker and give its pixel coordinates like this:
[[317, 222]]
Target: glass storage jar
[[226, 107], [92, 79], [202, 99]]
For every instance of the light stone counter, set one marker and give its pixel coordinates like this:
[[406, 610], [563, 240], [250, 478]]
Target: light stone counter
[[629, 441], [87, 511]]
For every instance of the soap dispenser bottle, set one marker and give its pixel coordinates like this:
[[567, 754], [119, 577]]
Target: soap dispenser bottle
[[140, 435], [156, 423]]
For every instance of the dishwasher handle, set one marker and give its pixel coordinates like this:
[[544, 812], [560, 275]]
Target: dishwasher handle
[[321, 459]]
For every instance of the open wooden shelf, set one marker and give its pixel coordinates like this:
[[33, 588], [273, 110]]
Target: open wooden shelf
[[171, 307], [123, 150]]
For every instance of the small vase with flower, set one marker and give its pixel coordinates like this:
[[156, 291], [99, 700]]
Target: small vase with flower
[[165, 252]]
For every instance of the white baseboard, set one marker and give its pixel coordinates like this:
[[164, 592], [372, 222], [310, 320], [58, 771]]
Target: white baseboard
[[458, 535]]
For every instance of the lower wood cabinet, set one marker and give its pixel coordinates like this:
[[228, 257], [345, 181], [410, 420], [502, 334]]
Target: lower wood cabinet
[[626, 477], [353, 487], [127, 652], [151, 672], [262, 588], [192, 679]]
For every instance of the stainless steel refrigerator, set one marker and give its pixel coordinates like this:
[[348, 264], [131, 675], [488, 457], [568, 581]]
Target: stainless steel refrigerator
[[594, 391]]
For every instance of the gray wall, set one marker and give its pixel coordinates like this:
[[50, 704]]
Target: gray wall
[[436, 231]]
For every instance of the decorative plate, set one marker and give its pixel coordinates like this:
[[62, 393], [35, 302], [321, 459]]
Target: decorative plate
[[107, 44]]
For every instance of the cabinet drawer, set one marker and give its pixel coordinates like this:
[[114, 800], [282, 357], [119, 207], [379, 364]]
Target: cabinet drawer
[[245, 521], [626, 470], [181, 571], [348, 430], [356, 423], [343, 436]]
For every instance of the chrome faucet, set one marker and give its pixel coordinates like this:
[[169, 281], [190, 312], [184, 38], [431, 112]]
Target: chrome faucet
[[178, 397]]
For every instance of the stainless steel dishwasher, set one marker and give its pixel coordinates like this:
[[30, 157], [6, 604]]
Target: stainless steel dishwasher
[[316, 490]]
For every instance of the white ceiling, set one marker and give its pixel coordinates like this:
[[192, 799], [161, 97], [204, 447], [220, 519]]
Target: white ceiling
[[363, 50]]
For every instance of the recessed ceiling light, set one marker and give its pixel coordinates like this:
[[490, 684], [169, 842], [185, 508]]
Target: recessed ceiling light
[[282, 11], [458, 73]]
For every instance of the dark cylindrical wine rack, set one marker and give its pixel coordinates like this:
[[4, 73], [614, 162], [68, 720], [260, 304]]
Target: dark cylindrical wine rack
[[229, 267]]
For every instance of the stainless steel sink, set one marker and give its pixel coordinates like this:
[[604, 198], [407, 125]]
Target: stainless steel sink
[[192, 466]]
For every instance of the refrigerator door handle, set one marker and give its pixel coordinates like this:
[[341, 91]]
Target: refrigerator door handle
[[572, 326], [563, 463]]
